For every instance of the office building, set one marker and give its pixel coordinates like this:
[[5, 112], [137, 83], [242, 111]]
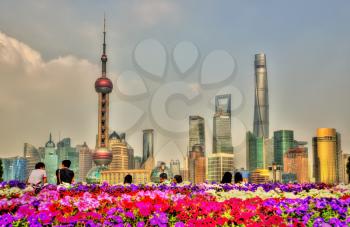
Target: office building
[[31, 154], [51, 161], [118, 146], [326, 150], [197, 165], [131, 164], [196, 131], [255, 152], [85, 161], [261, 106], [175, 167], [296, 162], [137, 162], [218, 164], [66, 152], [345, 160], [14, 168], [222, 139], [282, 140], [148, 161]]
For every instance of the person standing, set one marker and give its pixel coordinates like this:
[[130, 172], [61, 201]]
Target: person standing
[[38, 176], [64, 174]]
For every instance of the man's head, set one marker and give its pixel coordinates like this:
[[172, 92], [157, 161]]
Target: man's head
[[66, 163], [163, 177], [40, 165]]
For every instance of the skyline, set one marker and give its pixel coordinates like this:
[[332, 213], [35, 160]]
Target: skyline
[[290, 70]]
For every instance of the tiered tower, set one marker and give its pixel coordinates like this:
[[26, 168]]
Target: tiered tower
[[102, 156]]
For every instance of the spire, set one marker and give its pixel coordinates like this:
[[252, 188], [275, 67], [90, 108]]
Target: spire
[[104, 56]]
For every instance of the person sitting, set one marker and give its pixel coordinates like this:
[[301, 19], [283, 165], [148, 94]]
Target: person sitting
[[128, 179], [177, 179], [238, 178], [227, 178], [38, 176], [64, 174], [163, 177]]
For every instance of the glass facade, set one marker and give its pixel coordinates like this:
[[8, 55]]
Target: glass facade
[[196, 131], [147, 145], [66, 152], [218, 164], [31, 154], [283, 140], [255, 152], [14, 168]]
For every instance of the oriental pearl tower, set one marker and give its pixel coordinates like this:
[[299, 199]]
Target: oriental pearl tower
[[102, 156]]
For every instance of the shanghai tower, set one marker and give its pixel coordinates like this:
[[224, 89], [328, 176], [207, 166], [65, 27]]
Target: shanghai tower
[[261, 106]]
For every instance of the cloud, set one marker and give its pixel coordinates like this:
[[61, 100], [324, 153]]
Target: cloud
[[38, 96]]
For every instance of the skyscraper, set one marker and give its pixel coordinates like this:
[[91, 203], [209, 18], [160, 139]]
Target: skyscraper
[[326, 152], [197, 165], [175, 167], [66, 152], [261, 106], [85, 160], [282, 141], [103, 86], [118, 146], [14, 168], [131, 163], [148, 153], [296, 161], [222, 140], [218, 164], [51, 161], [31, 154], [255, 152], [196, 131], [344, 162], [137, 162]]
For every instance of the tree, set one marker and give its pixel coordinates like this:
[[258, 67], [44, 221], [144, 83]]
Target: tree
[[348, 169], [1, 171]]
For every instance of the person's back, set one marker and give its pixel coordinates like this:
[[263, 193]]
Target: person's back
[[64, 174], [227, 178], [38, 175], [128, 179], [238, 178]]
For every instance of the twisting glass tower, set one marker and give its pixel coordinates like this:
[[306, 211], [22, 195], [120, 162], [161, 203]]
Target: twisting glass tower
[[103, 86], [261, 107]]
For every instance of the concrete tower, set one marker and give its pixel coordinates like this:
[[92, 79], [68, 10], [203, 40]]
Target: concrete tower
[[261, 107], [102, 157]]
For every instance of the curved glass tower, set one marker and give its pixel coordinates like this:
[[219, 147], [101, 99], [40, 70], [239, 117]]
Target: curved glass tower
[[261, 107]]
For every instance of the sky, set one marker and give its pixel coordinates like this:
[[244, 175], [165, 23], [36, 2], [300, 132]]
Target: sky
[[167, 60]]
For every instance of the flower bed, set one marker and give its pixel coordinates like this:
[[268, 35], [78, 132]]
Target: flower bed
[[171, 205]]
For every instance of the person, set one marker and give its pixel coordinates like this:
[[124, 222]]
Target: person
[[238, 178], [163, 177], [227, 178], [38, 176], [64, 174], [128, 179], [177, 179]]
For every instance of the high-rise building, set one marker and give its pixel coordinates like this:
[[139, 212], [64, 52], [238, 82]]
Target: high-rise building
[[345, 160], [85, 161], [51, 161], [269, 152], [196, 131], [66, 152], [197, 165], [14, 168], [282, 140], [175, 167], [31, 154], [296, 162], [326, 150], [222, 139], [131, 163], [102, 156], [137, 162], [255, 152], [218, 164], [261, 106], [259, 176], [148, 153], [118, 146]]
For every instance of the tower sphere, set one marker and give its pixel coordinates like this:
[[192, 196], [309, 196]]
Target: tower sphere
[[103, 85], [102, 156]]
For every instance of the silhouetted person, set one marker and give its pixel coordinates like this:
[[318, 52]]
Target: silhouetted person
[[64, 174], [178, 179], [128, 179], [163, 177], [38, 175], [238, 178], [227, 178]]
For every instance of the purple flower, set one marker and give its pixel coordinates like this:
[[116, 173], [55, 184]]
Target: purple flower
[[140, 224], [179, 224]]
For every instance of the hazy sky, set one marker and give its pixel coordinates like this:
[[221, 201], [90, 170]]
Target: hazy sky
[[50, 58]]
